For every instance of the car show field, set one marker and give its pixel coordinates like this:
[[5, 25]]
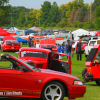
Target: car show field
[[92, 90]]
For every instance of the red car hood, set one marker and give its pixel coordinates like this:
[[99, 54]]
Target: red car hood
[[56, 73], [33, 59]]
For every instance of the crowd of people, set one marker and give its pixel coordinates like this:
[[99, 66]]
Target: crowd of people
[[67, 49]]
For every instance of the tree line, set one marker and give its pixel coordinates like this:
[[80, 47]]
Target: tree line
[[73, 14]]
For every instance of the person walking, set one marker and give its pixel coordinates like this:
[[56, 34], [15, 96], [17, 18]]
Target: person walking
[[60, 49], [29, 41], [68, 48], [79, 50]]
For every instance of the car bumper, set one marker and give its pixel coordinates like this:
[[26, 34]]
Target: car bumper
[[11, 49], [76, 91]]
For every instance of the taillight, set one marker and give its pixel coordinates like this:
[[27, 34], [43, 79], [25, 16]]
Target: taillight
[[39, 66]]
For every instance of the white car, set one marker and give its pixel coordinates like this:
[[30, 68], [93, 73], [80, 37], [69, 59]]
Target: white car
[[90, 46]]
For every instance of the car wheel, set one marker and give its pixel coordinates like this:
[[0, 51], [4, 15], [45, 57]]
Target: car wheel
[[84, 71], [53, 91], [2, 50], [98, 82]]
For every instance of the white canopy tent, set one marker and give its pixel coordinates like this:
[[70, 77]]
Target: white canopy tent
[[79, 32], [13, 28]]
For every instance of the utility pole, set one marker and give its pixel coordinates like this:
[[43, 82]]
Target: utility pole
[[11, 19], [26, 15], [90, 10], [39, 19]]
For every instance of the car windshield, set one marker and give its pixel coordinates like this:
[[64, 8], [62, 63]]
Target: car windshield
[[92, 43], [12, 41], [33, 54], [32, 67], [1, 39], [48, 46]]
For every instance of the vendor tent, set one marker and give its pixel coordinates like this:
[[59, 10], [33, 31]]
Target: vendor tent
[[79, 32], [30, 31], [4, 32], [35, 29]]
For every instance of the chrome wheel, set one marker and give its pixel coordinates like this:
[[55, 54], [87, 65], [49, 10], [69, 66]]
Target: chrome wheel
[[53, 91]]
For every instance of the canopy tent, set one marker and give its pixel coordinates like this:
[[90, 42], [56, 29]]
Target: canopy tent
[[79, 32], [4, 32], [13, 28], [36, 29], [30, 31]]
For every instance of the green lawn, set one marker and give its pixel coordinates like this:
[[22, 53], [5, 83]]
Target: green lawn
[[92, 90]]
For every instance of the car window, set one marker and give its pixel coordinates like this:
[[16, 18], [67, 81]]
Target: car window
[[33, 54], [12, 42], [48, 46], [92, 43]]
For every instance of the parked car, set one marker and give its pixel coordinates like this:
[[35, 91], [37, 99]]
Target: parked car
[[20, 40], [92, 70], [90, 45], [10, 45], [45, 59], [24, 80], [48, 44]]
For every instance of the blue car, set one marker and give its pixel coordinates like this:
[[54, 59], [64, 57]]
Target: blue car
[[20, 40]]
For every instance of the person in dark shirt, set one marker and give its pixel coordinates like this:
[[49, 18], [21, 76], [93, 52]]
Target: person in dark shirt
[[29, 41], [68, 48], [79, 50]]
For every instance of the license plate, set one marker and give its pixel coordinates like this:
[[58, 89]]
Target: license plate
[[12, 47]]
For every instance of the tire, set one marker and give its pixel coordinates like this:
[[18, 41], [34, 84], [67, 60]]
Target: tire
[[53, 91], [98, 82], [84, 72], [3, 50]]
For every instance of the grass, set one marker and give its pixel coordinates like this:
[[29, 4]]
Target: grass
[[92, 90]]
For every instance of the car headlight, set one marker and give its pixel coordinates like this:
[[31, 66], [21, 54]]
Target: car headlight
[[78, 83]]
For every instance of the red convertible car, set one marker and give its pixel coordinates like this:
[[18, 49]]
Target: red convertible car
[[45, 59], [24, 80]]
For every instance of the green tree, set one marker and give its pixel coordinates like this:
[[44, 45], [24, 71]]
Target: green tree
[[97, 17], [4, 7], [45, 15]]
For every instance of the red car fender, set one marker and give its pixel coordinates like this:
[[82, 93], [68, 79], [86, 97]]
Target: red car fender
[[49, 79]]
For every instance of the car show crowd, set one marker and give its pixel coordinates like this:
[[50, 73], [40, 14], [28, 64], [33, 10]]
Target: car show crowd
[[43, 60]]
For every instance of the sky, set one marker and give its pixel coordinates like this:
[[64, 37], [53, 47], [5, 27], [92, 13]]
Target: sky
[[36, 4]]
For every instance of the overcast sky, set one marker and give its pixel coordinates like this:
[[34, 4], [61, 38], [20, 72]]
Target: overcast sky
[[36, 4]]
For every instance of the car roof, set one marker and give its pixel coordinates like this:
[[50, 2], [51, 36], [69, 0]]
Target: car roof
[[34, 49]]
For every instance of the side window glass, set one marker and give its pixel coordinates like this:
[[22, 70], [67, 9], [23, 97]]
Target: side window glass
[[61, 57], [97, 58]]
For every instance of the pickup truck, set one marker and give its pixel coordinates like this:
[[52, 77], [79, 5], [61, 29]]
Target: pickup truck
[[45, 59], [90, 45]]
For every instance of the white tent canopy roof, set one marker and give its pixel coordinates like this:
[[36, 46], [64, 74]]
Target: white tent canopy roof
[[79, 32], [13, 28]]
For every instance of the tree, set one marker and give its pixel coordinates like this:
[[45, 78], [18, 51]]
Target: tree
[[3, 11], [97, 17], [95, 4], [54, 13], [45, 15]]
